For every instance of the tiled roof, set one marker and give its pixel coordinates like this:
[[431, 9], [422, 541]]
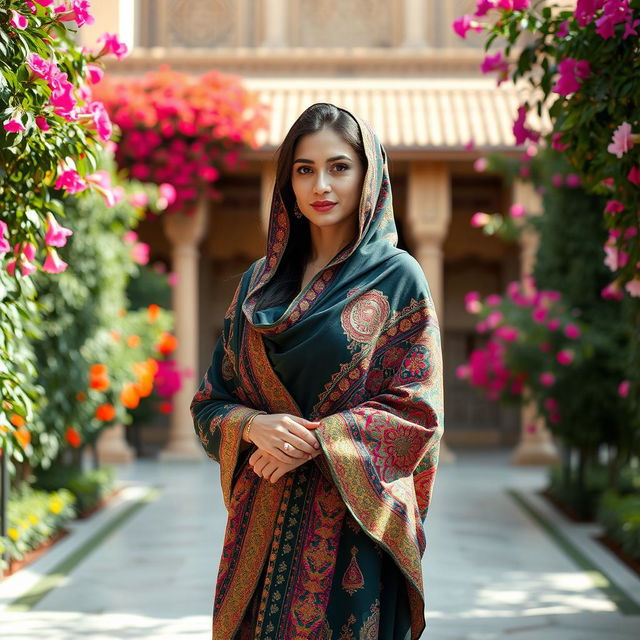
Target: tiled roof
[[407, 113]]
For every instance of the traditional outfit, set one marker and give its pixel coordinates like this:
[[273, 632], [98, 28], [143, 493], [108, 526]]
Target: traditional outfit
[[333, 549]]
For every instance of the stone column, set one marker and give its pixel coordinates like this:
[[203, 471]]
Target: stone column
[[426, 225], [112, 446], [414, 23], [275, 18], [185, 233], [536, 446]]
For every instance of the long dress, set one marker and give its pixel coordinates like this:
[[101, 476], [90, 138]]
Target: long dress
[[333, 549]]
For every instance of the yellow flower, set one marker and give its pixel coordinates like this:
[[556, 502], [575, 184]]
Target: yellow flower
[[55, 505], [33, 519], [13, 533]]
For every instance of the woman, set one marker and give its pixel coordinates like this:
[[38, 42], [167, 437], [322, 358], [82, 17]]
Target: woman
[[323, 405]]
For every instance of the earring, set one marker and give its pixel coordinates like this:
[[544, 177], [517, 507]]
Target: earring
[[296, 211]]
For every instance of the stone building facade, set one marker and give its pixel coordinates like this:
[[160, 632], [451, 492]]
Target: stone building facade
[[399, 65]]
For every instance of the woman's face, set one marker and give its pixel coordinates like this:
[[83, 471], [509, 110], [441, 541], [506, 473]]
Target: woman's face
[[327, 169]]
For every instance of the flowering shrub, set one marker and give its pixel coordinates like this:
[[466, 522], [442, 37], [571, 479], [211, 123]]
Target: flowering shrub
[[51, 133], [33, 517], [181, 130], [581, 67], [553, 338]]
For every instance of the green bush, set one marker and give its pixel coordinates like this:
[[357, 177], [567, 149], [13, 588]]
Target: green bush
[[88, 487], [620, 517]]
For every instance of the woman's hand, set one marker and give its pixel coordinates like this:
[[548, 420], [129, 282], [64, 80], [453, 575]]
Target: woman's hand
[[285, 437], [270, 469]]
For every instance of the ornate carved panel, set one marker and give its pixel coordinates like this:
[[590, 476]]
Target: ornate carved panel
[[205, 24], [336, 23]]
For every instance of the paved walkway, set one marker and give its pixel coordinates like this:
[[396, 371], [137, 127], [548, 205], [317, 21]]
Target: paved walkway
[[146, 566]]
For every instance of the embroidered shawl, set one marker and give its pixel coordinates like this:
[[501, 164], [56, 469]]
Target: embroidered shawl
[[359, 350]]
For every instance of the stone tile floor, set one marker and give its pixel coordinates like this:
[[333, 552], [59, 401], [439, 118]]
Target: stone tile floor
[[491, 571]]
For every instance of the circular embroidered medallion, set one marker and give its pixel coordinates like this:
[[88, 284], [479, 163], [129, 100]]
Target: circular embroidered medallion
[[364, 316]]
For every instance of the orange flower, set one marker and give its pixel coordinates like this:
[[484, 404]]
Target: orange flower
[[73, 437], [129, 395], [23, 436], [16, 420], [115, 335], [145, 387], [153, 311], [167, 343], [4, 428], [80, 396], [99, 383], [122, 312], [133, 341], [105, 412], [98, 370]]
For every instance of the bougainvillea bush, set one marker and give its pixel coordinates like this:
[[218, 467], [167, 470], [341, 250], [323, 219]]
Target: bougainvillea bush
[[581, 65], [553, 338], [182, 130], [96, 357], [52, 131]]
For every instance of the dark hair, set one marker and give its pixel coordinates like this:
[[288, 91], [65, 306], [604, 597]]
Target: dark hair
[[285, 284]]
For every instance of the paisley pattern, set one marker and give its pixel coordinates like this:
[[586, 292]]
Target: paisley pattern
[[359, 351]]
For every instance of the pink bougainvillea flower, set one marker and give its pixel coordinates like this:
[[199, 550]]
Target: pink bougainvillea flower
[[56, 235], [172, 279], [556, 142], [70, 181], [623, 389], [112, 45], [483, 7], [630, 29], [168, 193], [539, 315], [573, 180], [615, 12], [564, 357], [557, 180], [139, 199], [470, 145], [563, 29], [547, 379], [553, 324], [572, 72], [506, 333], [516, 211], [5, 247], [494, 319], [130, 237], [463, 371], [42, 68], [612, 291], [464, 24], [550, 404], [25, 253], [493, 300], [634, 175], [472, 302], [614, 206], [17, 20], [95, 73], [572, 331], [480, 219], [545, 347], [62, 97], [101, 181], [13, 126], [44, 3], [520, 131], [32, 7], [481, 165], [140, 253], [633, 287], [586, 9], [615, 258], [101, 120], [496, 63], [42, 123], [53, 263], [622, 140]]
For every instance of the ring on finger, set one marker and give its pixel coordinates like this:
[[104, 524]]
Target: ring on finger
[[287, 446]]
